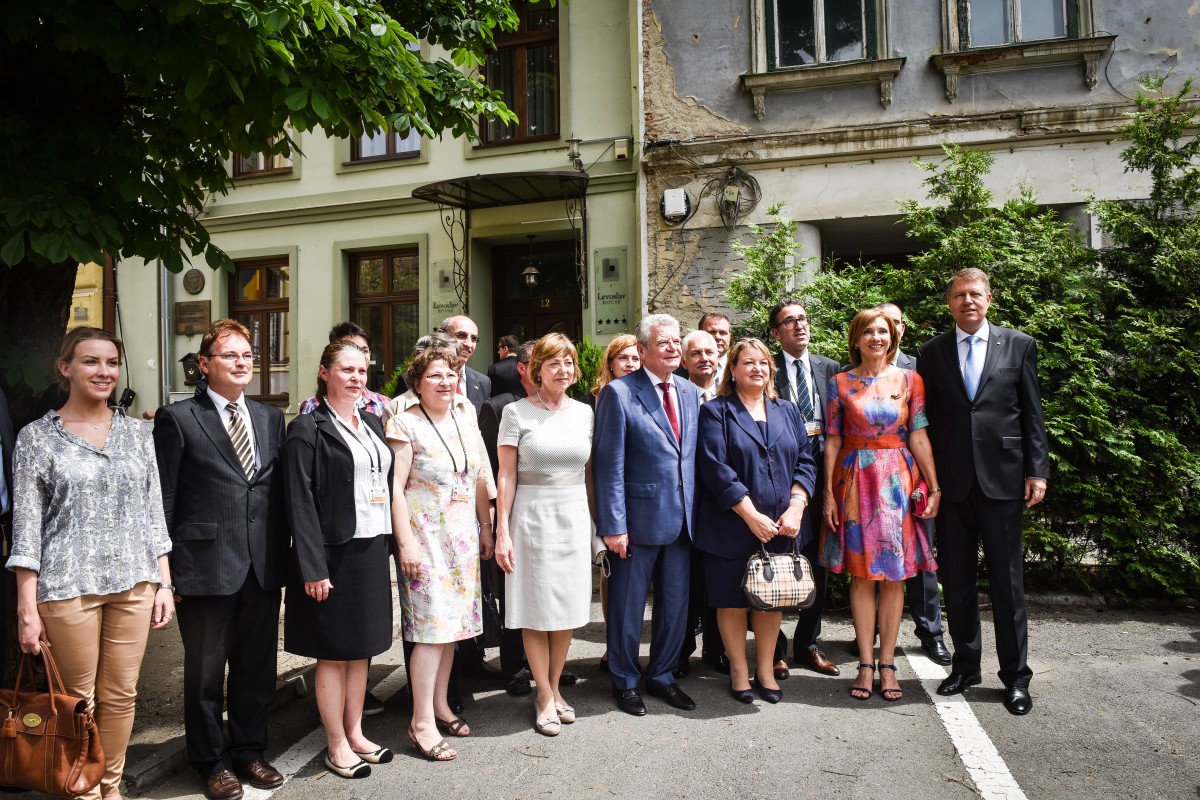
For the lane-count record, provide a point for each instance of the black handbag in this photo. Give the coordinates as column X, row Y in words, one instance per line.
column 779, row 581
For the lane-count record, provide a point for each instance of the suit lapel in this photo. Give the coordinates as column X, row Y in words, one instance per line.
column 997, row 342
column 950, row 354
column 746, row 422
column 649, row 397
column 774, row 422
column 209, row 418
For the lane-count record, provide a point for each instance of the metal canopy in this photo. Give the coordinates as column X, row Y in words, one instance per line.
column 504, row 189
column 457, row 198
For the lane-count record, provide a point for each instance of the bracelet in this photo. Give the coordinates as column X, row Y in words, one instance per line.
column 800, row 497
column 485, row 524
column 935, row 491
column 170, row 587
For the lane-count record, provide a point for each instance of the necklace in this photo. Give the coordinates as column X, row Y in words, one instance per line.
column 547, row 407
column 94, row 425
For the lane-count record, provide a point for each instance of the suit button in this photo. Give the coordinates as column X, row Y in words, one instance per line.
column 973, row 409
column 251, row 519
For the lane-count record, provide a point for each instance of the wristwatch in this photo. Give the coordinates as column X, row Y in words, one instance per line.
column 170, row 587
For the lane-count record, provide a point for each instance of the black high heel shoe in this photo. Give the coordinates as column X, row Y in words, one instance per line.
column 770, row 695
column 742, row 695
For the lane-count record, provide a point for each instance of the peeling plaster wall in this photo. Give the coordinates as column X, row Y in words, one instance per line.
column 836, row 154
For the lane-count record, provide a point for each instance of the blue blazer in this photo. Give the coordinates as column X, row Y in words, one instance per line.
column 734, row 460
column 645, row 480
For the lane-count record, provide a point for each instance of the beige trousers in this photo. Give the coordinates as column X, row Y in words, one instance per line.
column 98, row 641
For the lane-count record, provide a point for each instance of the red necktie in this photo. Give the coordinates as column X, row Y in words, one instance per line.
column 669, row 407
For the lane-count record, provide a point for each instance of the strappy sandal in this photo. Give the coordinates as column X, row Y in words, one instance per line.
column 436, row 753
column 858, row 692
column 891, row 695
column 452, row 727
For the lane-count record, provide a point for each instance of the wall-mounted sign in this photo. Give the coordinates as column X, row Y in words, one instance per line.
column 444, row 300
column 612, row 291
column 192, row 317
column 193, row 281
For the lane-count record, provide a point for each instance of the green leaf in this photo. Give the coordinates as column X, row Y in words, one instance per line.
column 14, row 249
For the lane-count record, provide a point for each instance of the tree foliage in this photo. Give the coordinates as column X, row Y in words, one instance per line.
column 770, row 268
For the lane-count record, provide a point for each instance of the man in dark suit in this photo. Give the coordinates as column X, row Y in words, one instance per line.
column 802, row 377
column 475, row 385
column 924, row 604
column 8, row 441
column 219, row 463
column 644, row 471
column 503, row 374
column 989, row 443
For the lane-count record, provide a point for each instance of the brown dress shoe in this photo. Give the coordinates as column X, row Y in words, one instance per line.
column 223, row 785
column 781, row 670
column 817, row 662
column 261, row 775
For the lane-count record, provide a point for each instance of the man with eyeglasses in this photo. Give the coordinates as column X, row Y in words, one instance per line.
column 475, row 385
column 802, row 377
column 222, row 488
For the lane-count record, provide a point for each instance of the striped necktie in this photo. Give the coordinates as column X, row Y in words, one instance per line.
column 241, row 440
column 803, row 392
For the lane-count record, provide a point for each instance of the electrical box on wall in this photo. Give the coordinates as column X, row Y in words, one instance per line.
column 621, row 149
column 675, row 204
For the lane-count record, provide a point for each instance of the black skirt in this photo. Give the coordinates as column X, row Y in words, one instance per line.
column 355, row 621
column 723, row 576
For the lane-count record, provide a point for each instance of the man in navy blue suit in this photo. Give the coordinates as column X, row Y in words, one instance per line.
column 644, row 471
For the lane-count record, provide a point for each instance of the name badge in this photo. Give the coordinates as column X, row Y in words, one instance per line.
column 378, row 490
column 813, row 428
column 460, row 492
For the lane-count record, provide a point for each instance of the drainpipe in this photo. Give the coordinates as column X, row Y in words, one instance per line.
column 166, row 363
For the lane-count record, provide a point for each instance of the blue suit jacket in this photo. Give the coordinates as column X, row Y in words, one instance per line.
column 645, row 479
column 734, row 460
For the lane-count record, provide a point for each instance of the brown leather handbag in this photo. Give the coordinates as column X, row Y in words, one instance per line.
column 48, row 740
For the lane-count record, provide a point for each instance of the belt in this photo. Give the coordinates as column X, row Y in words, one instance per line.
column 550, row 478
column 891, row 442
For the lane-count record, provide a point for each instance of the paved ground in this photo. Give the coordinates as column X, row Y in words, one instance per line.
column 1115, row 716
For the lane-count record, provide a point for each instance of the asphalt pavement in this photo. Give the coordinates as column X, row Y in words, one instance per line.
column 1116, row 696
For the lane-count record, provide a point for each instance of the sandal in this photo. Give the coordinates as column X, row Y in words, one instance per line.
column 858, row 692
column 436, row 753
column 891, row 695
column 452, row 727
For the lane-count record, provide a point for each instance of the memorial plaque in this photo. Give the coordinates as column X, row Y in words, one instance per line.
column 192, row 317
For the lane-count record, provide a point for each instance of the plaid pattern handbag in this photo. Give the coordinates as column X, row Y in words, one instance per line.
column 779, row 581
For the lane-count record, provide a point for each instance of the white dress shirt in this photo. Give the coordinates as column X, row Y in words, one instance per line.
column 960, row 336
column 674, row 393
column 244, row 410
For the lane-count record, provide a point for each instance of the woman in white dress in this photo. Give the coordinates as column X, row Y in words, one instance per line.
column 543, row 521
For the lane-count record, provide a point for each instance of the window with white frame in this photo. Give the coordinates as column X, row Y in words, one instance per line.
column 806, row 32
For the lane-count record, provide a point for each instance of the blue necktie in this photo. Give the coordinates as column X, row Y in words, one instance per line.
column 973, row 367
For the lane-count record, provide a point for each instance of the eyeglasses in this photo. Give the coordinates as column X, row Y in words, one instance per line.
column 466, row 337
column 442, row 377
column 233, row 358
column 792, row 322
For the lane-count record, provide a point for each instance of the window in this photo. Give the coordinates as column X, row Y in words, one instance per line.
column 384, row 301
column 992, row 22
column 262, row 164
column 259, row 300
column 524, row 69
column 386, row 145
column 819, row 31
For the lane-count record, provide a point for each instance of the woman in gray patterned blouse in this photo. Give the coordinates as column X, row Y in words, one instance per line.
column 90, row 542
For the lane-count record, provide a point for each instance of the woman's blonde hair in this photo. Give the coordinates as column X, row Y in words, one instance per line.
column 726, row 386
column 550, row 346
column 604, row 375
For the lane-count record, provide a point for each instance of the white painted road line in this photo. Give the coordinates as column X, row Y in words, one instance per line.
column 983, row 762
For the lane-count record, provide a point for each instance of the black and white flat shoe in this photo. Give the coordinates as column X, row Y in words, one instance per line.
column 360, row 770
column 380, row 756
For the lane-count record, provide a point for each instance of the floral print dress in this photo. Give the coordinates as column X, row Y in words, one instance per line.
column 443, row 604
column 877, row 536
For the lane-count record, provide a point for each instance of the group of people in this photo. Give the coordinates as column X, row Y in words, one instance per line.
column 691, row 454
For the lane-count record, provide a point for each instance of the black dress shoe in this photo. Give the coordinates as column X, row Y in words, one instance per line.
column 1017, row 700
column 742, row 695
column 718, row 661
column 629, row 701
column 958, row 682
column 566, row 678
column 519, row 685
column 478, row 668
column 673, row 695
column 770, row 695
column 937, row 652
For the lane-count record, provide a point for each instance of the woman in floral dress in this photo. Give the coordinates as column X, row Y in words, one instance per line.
column 441, row 520
column 875, row 444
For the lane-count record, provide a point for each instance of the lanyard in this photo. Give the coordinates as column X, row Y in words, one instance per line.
column 453, row 463
column 375, row 459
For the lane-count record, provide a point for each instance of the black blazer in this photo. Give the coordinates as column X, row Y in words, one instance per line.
column 733, row 460
column 823, row 369
column 489, row 423
column 319, row 467
column 221, row 524
column 1000, row 437
column 8, row 441
column 504, row 377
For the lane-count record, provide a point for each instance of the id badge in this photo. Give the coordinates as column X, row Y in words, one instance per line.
column 378, row 490
column 460, row 493
column 813, row 428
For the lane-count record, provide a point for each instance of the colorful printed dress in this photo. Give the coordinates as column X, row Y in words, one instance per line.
column 443, row 604
column 878, row 537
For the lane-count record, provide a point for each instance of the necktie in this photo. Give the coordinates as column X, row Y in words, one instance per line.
column 972, row 368
column 803, row 392
column 669, row 407
column 241, row 440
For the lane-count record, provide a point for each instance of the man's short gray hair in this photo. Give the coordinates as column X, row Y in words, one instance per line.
column 694, row 335
column 647, row 324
